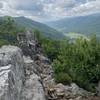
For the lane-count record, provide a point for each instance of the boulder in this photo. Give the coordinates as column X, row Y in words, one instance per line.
column 76, row 90
column 11, row 73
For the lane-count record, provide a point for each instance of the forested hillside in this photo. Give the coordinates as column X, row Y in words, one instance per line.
column 44, row 29
column 89, row 24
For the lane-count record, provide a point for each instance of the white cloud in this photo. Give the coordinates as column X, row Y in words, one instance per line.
column 89, row 7
column 48, row 9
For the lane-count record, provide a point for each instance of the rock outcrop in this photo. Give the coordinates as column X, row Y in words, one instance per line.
column 11, row 73
column 18, row 77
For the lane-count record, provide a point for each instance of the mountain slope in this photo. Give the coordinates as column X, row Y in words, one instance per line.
column 83, row 24
column 46, row 30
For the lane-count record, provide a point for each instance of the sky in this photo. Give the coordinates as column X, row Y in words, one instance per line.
column 47, row 10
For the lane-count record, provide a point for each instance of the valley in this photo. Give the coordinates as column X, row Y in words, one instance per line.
column 86, row 25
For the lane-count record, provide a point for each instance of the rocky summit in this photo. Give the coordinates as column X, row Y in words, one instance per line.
column 27, row 75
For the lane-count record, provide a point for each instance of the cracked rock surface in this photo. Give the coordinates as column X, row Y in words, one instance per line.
column 18, row 80
column 11, row 73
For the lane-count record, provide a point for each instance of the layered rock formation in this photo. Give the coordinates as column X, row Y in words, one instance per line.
column 18, row 80
column 11, row 73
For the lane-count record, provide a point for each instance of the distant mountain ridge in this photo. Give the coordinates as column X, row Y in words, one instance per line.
column 44, row 29
column 89, row 24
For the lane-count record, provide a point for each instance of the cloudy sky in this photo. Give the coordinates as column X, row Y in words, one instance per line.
column 46, row 10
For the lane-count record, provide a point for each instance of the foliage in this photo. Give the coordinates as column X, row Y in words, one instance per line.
column 38, row 35
column 50, row 47
column 83, row 24
column 79, row 59
column 3, row 42
column 63, row 78
column 45, row 30
column 8, row 31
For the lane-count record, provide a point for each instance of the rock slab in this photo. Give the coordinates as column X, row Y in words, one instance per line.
column 11, row 73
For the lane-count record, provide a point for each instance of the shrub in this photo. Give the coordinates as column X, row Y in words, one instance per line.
column 63, row 78
column 8, row 31
column 79, row 58
column 3, row 42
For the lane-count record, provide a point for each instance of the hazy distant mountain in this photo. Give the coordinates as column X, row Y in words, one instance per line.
column 46, row 30
column 83, row 24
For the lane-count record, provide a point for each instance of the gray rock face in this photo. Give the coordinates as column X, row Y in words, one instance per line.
column 18, row 77
column 11, row 73
column 33, row 88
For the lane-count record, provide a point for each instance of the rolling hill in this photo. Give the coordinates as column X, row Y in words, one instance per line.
column 83, row 24
column 44, row 29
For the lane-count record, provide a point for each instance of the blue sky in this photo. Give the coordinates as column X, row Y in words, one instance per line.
column 46, row 10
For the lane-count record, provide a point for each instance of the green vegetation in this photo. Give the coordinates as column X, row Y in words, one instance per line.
column 77, row 61
column 45, row 30
column 8, row 31
column 83, row 24
column 63, row 78
column 3, row 42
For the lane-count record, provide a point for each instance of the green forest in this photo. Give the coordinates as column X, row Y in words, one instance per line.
column 73, row 61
